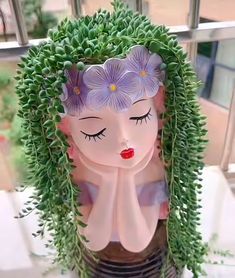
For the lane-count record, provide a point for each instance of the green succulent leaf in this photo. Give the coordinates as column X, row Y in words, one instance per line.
column 68, row 65
column 80, row 66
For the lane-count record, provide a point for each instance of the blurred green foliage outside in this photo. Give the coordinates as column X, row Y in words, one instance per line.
column 10, row 124
column 37, row 20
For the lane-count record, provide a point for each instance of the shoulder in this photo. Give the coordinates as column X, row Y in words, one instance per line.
column 152, row 193
column 88, row 192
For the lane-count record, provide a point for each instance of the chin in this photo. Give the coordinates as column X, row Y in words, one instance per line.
column 121, row 163
column 128, row 163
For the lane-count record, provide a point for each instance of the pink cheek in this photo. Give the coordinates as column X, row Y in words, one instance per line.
column 71, row 152
column 164, row 210
column 158, row 146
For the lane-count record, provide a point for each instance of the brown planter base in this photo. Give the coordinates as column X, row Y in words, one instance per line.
column 115, row 261
column 149, row 268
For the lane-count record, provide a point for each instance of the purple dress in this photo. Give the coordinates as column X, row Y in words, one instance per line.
column 149, row 194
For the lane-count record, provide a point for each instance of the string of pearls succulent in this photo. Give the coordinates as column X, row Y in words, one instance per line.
column 93, row 40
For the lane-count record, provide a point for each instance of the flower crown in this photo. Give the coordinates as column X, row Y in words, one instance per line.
column 118, row 83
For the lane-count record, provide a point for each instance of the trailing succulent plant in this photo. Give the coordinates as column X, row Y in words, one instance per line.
column 92, row 40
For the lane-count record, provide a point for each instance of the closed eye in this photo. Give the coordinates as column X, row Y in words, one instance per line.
column 140, row 119
column 94, row 136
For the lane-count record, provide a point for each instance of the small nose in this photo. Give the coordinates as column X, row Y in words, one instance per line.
column 124, row 143
column 122, row 134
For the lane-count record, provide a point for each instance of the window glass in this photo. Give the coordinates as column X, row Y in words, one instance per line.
column 168, row 12
column 217, row 10
column 90, row 7
column 216, row 68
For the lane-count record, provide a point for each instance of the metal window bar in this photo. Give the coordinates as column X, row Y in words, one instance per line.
column 229, row 136
column 76, row 8
column 139, row 6
column 192, row 34
column 193, row 22
column 21, row 31
column 205, row 32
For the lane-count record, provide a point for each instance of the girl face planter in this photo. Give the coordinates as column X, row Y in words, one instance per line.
column 112, row 123
column 109, row 106
column 112, row 118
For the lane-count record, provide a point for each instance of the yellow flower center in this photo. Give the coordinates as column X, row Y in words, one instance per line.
column 143, row 73
column 113, row 87
column 76, row 90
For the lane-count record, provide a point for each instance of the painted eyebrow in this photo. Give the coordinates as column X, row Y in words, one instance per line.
column 92, row 117
column 139, row 100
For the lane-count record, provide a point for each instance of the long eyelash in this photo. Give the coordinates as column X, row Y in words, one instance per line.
column 141, row 118
column 94, row 136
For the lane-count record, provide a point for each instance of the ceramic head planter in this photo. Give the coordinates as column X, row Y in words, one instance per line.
column 112, row 125
column 114, row 140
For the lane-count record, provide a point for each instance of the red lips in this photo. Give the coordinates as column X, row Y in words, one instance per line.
column 128, row 153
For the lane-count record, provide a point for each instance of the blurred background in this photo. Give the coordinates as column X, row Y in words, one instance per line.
column 206, row 30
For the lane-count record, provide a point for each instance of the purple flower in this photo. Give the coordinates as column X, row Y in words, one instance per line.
column 147, row 67
column 110, row 85
column 74, row 92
